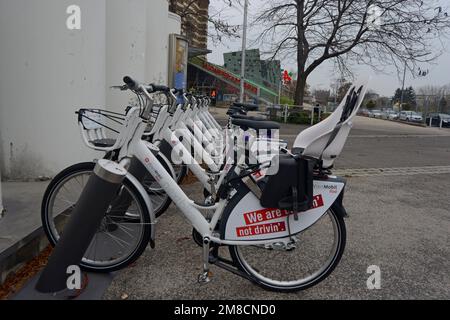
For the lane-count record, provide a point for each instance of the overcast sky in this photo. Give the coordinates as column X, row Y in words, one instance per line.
column 383, row 84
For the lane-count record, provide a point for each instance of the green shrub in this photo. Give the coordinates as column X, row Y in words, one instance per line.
column 286, row 100
column 300, row 118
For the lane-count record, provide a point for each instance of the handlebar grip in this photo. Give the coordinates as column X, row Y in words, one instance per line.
column 132, row 84
column 158, row 88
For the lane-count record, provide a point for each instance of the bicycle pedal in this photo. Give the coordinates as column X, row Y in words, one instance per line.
column 205, row 277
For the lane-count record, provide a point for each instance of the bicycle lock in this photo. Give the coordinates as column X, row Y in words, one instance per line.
column 87, row 216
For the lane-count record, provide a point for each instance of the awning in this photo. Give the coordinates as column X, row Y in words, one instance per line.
column 252, row 89
column 195, row 52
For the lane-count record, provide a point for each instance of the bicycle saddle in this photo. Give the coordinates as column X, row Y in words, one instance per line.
column 236, row 110
column 103, row 143
column 246, row 106
column 256, row 125
column 244, row 117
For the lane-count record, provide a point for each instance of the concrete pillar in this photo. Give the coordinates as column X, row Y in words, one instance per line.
column 126, row 43
column 157, row 45
column 47, row 73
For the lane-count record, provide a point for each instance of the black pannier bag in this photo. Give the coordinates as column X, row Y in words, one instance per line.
column 292, row 187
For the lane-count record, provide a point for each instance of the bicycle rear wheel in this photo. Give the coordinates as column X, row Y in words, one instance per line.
column 313, row 257
column 124, row 232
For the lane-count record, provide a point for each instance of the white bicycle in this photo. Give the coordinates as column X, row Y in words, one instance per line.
column 284, row 231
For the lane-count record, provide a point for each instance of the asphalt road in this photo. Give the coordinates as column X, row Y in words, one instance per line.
column 375, row 143
column 399, row 223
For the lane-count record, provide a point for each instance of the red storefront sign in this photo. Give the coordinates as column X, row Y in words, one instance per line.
column 222, row 73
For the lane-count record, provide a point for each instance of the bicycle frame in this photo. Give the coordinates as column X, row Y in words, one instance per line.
column 142, row 150
column 192, row 211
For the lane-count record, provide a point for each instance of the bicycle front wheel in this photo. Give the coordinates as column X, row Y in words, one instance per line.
column 124, row 232
column 306, row 262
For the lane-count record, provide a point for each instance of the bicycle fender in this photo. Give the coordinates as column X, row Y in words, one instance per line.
column 244, row 219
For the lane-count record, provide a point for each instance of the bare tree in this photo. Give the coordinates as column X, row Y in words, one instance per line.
column 434, row 97
column 373, row 32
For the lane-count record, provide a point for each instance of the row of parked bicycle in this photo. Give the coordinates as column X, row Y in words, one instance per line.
column 278, row 211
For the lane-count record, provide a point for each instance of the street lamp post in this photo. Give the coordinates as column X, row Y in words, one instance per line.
column 243, row 55
column 403, row 89
column 279, row 92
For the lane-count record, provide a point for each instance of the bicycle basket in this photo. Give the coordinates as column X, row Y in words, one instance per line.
column 100, row 128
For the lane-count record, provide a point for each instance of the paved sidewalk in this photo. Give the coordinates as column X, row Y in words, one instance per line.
column 21, row 234
column 397, row 223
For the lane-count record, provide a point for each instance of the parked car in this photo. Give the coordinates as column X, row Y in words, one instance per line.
column 364, row 112
column 390, row 115
column 376, row 114
column 436, row 119
column 410, row 116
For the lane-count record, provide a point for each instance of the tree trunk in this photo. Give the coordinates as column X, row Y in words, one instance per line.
column 300, row 91
column 302, row 53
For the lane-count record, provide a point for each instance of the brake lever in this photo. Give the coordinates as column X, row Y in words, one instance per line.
column 122, row 88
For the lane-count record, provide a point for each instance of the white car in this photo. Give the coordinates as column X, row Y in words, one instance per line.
column 376, row 114
column 390, row 115
column 411, row 116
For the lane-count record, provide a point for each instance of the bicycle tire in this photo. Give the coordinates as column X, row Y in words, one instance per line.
column 241, row 265
column 53, row 239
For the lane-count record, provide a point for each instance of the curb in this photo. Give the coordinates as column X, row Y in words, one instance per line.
column 415, row 124
column 19, row 253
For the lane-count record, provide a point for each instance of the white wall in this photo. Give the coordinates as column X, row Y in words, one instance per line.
column 47, row 72
column 126, row 40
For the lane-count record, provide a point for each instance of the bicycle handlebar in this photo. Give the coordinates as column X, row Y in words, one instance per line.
column 132, row 84
column 158, row 88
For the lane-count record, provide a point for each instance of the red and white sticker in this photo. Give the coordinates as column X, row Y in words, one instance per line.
column 261, row 229
column 258, row 175
column 318, row 202
column 265, row 214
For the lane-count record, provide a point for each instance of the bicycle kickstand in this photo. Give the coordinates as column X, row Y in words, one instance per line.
column 205, row 277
